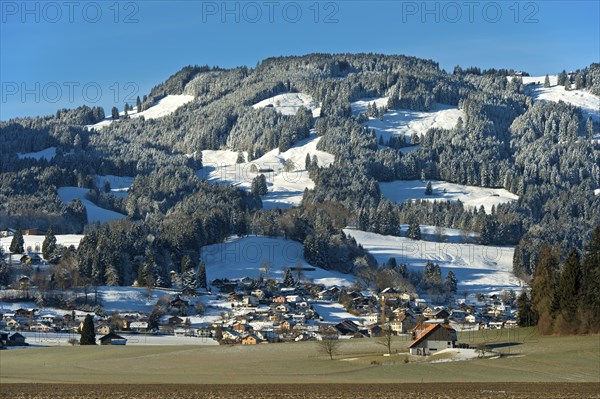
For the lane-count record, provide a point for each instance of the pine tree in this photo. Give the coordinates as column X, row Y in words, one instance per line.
column 569, row 286
column 259, row 185
column 451, row 284
column 429, row 189
column 114, row 113
column 189, row 281
column 240, row 157
column 202, row 282
column 288, row 280
column 590, row 302
column 4, row 273
column 543, row 289
column 307, row 163
column 186, row 264
column 414, row 231
column 88, row 333
column 138, row 104
column 17, row 244
column 526, row 316
column 547, row 81
column 49, row 245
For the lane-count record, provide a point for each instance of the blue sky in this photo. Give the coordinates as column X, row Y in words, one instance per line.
column 61, row 55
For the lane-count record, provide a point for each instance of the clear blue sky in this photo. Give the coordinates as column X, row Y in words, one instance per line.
column 55, row 55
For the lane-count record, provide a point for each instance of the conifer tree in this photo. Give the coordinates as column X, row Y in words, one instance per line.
column 451, row 283
column 202, row 282
column 429, row 189
column 138, row 104
column 240, row 157
column 547, row 81
column 49, row 244
column 414, row 231
column 526, row 316
column 114, row 113
column 543, row 289
column 88, row 333
column 569, row 286
column 17, row 244
column 288, row 280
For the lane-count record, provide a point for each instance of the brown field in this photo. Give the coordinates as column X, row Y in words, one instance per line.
column 293, row 391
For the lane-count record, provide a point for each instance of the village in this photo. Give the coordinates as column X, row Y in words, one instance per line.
column 251, row 311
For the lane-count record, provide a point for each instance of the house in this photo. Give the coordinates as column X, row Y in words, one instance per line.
column 372, row 317
column 39, row 327
column 287, row 325
column 175, row 320
column 179, row 303
column 103, row 330
column 112, row 339
column 346, row 327
column 279, row 299
column 8, row 232
column 252, row 340
column 373, row 330
column 433, row 338
column 402, row 324
column 16, row 340
column 436, row 314
column 24, row 282
column 250, row 300
column 138, row 326
column 240, row 327
column 231, row 335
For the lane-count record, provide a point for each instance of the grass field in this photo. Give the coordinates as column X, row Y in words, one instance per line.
column 525, row 357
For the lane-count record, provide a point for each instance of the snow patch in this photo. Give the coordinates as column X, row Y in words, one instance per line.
column 289, row 103
column 119, row 186
column 286, row 188
column 48, row 154
column 36, row 241
column 164, row 107
column 95, row 214
column 404, row 122
column 407, row 190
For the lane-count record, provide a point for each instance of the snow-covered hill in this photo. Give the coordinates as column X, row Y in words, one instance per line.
column 285, row 188
column 405, row 122
column 242, row 257
column 404, row 190
column 165, row 106
column 478, row 268
column 94, row 212
column 589, row 103
column 289, row 103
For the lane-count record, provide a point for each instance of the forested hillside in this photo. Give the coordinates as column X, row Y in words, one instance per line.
column 544, row 152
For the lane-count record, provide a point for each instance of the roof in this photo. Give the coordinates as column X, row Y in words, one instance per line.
column 111, row 336
column 427, row 332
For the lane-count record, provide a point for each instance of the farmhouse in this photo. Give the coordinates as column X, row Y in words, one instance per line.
column 433, row 338
column 112, row 339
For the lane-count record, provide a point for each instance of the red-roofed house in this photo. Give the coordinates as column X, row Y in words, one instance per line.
column 433, row 338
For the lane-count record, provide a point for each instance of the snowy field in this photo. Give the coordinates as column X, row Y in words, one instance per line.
column 48, row 154
column 478, row 268
column 242, row 257
column 119, row 186
column 289, row 103
column 405, row 122
column 94, row 212
column 334, row 312
column 37, row 241
column 404, row 190
column 164, row 107
column 285, row 188
column 589, row 103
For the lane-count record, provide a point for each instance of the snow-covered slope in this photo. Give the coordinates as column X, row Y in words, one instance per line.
column 242, row 257
column 37, row 241
column 285, row 188
column 478, row 268
column 94, row 212
column 289, row 103
column 404, row 122
column 165, row 106
column 589, row 103
column 48, row 154
column 403, row 190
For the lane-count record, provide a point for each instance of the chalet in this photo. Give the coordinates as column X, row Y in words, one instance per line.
column 175, row 320
column 433, row 338
column 231, row 335
column 179, row 303
column 252, row 340
column 470, row 318
column 239, row 327
column 279, row 299
column 24, row 282
column 373, row 330
column 30, row 232
column 436, row 314
column 260, row 294
column 39, row 327
column 372, row 317
column 16, row 340
column 112, row 339
column 284, row 307
column 287, row 325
